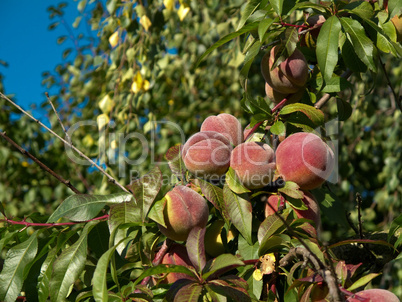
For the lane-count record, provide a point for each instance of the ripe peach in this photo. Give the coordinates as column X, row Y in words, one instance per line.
column 184, row 210
column 207, row 154
column 313, row 21
column 289, row 76
column 226, row 124
column 254, row 164
column 313, row 211
column 213, row 238
column 177, row 255
column 276, row 97
column 373, row 295
column 305, row 159
column 275, row 201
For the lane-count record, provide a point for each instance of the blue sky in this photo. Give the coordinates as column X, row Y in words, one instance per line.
column 30, row 48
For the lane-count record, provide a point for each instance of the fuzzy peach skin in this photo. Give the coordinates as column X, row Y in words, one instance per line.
column 313, row 211
column 305, row 159
column 373, row 295
column 177, row 255
column 254, row 164
column 207, row 154
column 226, row 124
column 289, row 76
column 276, row 97
column 274, row 201
column 184, row 210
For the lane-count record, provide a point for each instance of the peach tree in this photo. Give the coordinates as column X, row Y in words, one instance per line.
column 243, row 215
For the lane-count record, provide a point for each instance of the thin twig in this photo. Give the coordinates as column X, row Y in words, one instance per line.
column 58, row 117
column 41, row 165
column 111, row 179
column 279, row 105
column 50, row 224
column 397, row 99
column 351, row 223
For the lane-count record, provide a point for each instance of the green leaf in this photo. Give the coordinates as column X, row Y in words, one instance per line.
column 314, row 114
column 252, row 52
column 221, row 263
column 277, row 5
column 362, row 45
column 124, row 213
column 278, row 128
column 226, row 39
column 239, row 211
column 395, row 225
column 84, row 207
column 327, row 46
column 175, row 161
column 189, row 293
column 196, row 248
column 99, row 279
column 156, row 212
column 234, row 183
column 291, row 189
column 248, row 10
column 234, row 293
column 12, row 275
column 350, row 57
column 362, row 9
column 362, row 281
column 247, row 251
column 344, row 109
column 336, row 84
column 289, row 39
column 307, row 4
column 273, row 243
column 146, row 189
column 263, row 27
column 351, row 241
column 164, row 269
column 69, row 266
column 270, row 226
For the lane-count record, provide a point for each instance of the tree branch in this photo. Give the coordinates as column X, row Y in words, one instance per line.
column 111, row 179
column 41, row 165
column 58, row 117
column 325, row 98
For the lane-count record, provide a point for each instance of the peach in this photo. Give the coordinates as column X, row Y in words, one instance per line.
column 289, row 76
column 275, row 201
column 177, row 255
column 226, row 124
column 254, row 164
column 184, row 210
column 313, row 211
column 313, row 21
column 305, row 159
column 276, row 97
column 213, row 238
column 207, row 154
column 373, row 295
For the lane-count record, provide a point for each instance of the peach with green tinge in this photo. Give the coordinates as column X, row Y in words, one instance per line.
column 305, row 159
column 213, row 238
column 226, row 124
column 207, row 154
column 276, row 97
column 184, row 210
column 254, row 164
column 289, row 76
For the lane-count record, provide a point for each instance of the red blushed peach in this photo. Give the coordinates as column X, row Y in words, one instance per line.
column 275, row 201
column 226, row 124
column 207, row 154
column 374, row 295
column 305, row 159
column 313, row 211
column 177, row 255
column 254, row 164
column 184, row 210
column 276, row 97
column 289, row 76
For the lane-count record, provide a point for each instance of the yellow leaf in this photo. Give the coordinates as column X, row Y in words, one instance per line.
column 25, row 164
column 114, row 39
column 145, row 85
column 102, row 120
column 144, row 21
column 113, row 144
column 169, row 4
column 183, row 11
column 106, row 104
column 257, row 275
column 171, row 102
column 88, row 140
